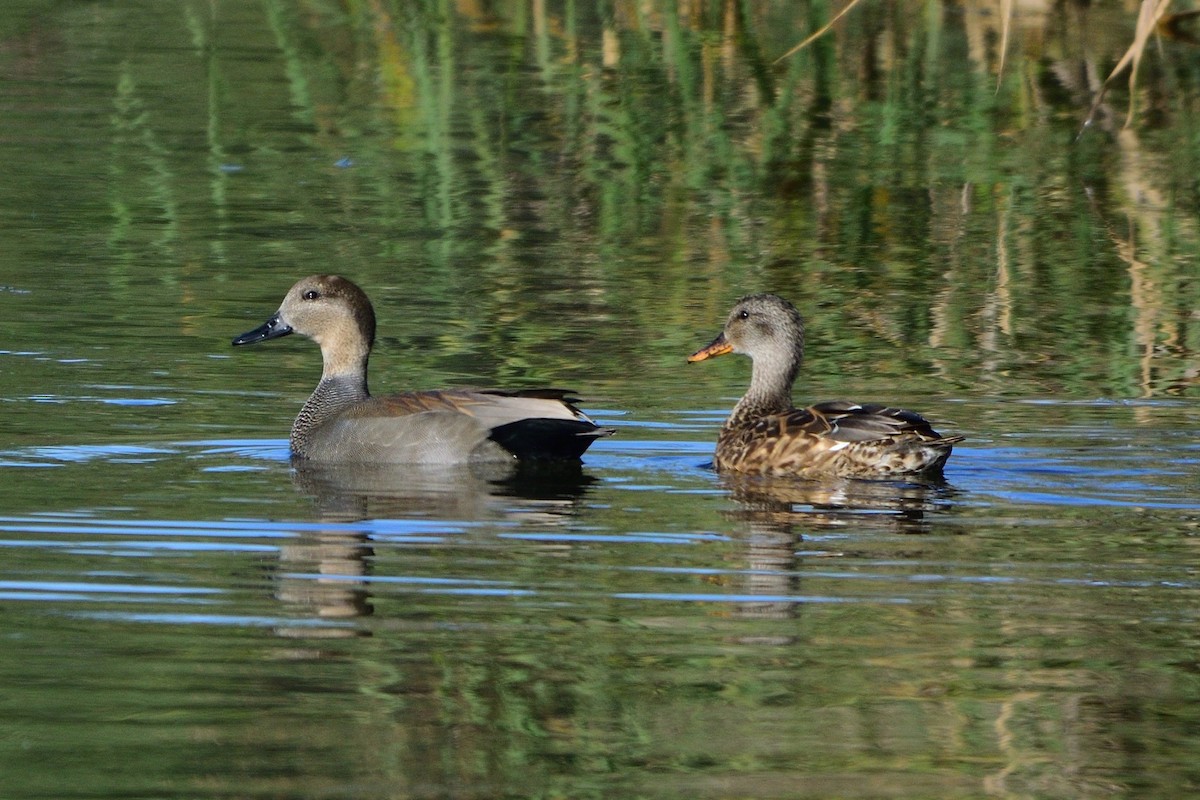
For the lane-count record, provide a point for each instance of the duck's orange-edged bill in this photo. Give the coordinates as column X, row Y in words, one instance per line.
column 718, row 347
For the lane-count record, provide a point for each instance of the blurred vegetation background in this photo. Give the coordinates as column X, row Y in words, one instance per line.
column 573, row 191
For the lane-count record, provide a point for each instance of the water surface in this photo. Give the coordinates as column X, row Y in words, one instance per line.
column 553, row 195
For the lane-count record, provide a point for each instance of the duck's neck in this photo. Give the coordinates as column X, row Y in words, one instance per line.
column 770, row 392
column 336, row 392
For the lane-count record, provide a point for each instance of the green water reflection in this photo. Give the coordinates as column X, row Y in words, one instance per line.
column 572, row 194
column 505, row 667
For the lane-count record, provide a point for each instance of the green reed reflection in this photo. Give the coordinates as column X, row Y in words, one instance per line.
column 574, row 192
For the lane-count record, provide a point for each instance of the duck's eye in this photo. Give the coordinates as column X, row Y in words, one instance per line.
column 311, row 294
column 743, row 314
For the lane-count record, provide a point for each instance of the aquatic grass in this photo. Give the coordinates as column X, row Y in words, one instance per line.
column 139, row 158
column 1152, row 17
column 658, row 164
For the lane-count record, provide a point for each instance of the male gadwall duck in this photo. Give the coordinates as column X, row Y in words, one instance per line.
column 765, row 433
column 343, row 423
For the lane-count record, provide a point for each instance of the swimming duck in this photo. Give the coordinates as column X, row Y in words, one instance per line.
column 765, row 433
column 343, row 422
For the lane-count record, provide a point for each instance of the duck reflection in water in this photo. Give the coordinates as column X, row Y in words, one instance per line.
column 532, row 492
column 894, row 506
column 773, row 513
column 323, row 580
column 325, row 573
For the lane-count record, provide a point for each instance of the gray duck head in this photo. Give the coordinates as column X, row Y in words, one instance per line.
column 770, row 331
column 333, row 312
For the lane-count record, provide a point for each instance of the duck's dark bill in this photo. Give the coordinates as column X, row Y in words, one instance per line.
column 718, row 347
column 271, row 329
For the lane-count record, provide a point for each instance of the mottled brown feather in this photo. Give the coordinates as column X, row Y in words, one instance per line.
column 765, row 433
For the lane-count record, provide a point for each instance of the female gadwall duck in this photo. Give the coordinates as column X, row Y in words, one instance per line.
column 342, row 422
column 765, row 433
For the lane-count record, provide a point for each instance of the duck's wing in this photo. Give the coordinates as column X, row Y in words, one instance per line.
column 481, row 403
column 458, row 424
column 844, row 421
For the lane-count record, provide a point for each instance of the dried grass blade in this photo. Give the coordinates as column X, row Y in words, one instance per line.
column 1149, row 14
column 1006, row 15
column 819, row 33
